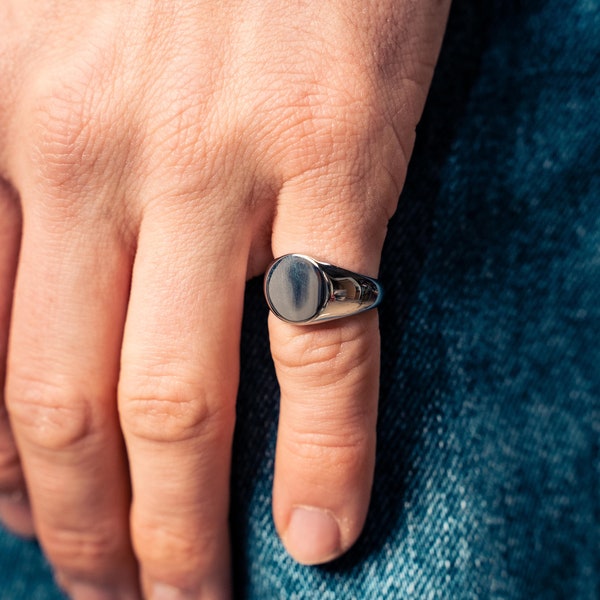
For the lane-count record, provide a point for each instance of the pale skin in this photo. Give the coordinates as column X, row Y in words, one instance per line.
column 153, row 157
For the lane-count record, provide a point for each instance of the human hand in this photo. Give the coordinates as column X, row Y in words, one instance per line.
column 160, row 154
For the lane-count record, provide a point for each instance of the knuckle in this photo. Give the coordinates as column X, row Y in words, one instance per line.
column 310, row 350
column 47, row 416
column 177, row 554
column 332, row 139
column 90, row 554
column 181, row 136
column 323, row 356
column 63, row 125
column 324, row 120
column 343, row 452
column 72, row 131
column 168, row 409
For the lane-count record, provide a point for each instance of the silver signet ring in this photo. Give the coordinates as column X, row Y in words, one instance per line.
column 302, row 290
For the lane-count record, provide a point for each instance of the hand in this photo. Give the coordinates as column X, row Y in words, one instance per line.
column 155, row 156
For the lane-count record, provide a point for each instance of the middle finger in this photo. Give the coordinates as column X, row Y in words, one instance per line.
column 177, row 393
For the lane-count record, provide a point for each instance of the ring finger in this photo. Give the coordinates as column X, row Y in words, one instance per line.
column 66, row 329
column 329, row 376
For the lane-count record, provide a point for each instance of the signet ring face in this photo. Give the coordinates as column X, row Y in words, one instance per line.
column 302, row 290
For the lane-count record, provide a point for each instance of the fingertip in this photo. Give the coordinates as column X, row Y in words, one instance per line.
column 326, row 443
column 313, row 535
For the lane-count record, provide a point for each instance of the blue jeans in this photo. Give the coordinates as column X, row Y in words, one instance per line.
column 488, row 474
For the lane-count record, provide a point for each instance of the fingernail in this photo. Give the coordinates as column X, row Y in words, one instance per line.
column 312, row 536
column 162, row 591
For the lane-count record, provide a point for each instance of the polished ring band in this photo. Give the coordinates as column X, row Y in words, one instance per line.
column 302, row 290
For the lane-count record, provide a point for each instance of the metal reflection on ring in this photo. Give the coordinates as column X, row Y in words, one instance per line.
column 302, row 290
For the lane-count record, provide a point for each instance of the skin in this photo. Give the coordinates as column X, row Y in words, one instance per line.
column 153, row 157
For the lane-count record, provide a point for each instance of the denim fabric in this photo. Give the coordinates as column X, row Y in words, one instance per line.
column 488, row 471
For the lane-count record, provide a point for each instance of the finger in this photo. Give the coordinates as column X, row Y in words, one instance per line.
column 68, row 315
column 328, row 374
column 177, row 392
column 14, row 508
